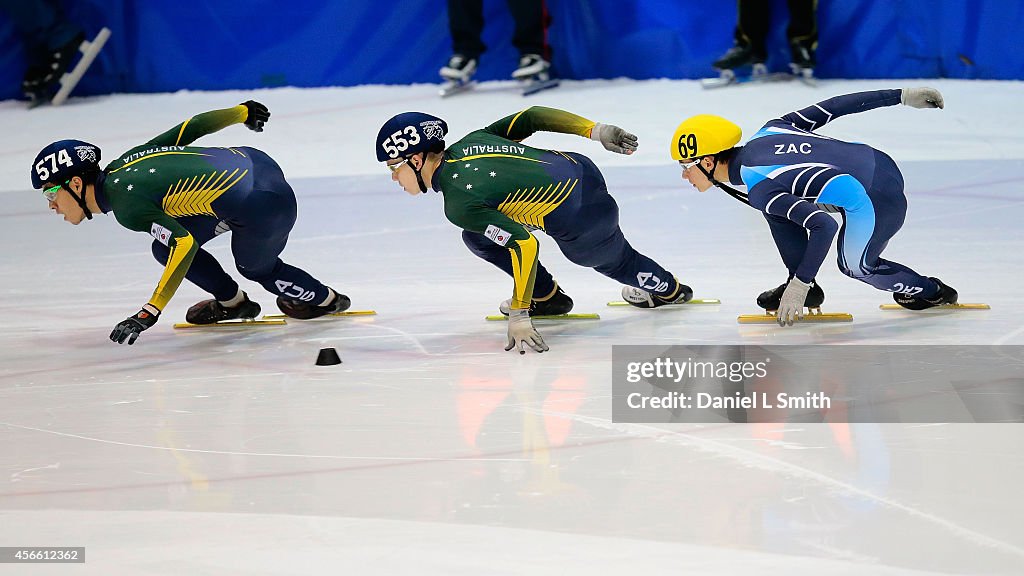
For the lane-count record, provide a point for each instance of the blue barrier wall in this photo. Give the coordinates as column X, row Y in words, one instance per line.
column 213, row 45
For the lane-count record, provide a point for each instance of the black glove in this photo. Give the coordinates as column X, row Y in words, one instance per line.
column 257, row 117
column 131, row 327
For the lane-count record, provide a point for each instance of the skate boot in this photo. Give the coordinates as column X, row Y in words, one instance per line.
column 44, row 74
column 946, row 295
column 770, row 299
column 459, row 69
column 306, row 311
column 555, row 305
column 802, row 52
column 739, row 56
column 532, row 66
column 212, row 311
column 643, row 299
column 802, row 64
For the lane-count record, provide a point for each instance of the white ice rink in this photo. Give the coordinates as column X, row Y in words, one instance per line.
column 430, row 450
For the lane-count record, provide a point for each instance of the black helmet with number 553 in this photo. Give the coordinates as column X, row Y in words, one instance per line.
column 409, row 133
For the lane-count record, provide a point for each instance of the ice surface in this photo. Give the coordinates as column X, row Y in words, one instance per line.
column 431, row 450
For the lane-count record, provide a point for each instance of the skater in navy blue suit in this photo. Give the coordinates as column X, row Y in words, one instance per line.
column 796, row 177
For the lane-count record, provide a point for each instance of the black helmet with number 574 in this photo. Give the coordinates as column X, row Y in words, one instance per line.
column 63, row 160
column 409, row 133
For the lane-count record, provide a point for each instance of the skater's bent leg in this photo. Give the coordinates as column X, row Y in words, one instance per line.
column 862, row 238
column 603, row 247
column 790, row 239
column 483, row 247
column 205, row 272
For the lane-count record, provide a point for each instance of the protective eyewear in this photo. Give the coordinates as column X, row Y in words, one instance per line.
column 687, row 165
column 51, row 193
column 394, row 167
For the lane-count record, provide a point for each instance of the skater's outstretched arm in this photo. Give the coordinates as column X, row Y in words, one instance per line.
column 522, row 125
column 253, row 114
column 817, row 115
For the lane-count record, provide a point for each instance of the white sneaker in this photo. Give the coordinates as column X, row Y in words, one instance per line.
column 530, row 65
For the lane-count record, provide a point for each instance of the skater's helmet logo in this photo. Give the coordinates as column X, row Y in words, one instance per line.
column 433, row 129
column 704, row 135
column 410, row 133
column 86, row 153
column 63, row 160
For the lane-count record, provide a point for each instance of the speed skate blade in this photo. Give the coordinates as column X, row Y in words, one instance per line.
column 534, row 86
column 694, row 301
column 552, row 317
column 963, row 306
column 812, row 315
column 70, row 79
column 233, row 324
column 453, row 87
column 733, row 80
column 335, row 315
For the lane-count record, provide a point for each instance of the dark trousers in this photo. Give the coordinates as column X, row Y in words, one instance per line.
column 754, row 18
column 866, row 231
column 41, row 24
column 466, row 23
column 259, row 233
column 587, row 232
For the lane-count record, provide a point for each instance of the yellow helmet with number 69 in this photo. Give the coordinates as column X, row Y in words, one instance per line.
column 704, row 135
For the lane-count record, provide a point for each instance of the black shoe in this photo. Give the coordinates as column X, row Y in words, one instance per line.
column 946, row 295
column 770, row 299
column 738, row 56
column 306, row 311
column 643, row 299
column 555, row 305
column 45, row 73
column 212, row 311
column 802, row 54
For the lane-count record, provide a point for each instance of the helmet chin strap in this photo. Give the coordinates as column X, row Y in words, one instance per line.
column 742, row 197
column 419, row 173
column 80, row 199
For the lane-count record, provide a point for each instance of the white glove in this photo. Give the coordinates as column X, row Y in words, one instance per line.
column 520, row 329
column 614, row 138
column 791, row 307
column 921, row 98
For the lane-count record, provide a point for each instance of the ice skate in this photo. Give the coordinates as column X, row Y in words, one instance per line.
column 643, row 299
column 802, row 64
column 946, row 297
column 306, row 311
column 212, row 311
column 742, row 64
column 534, row 74
column 458, row 75
column 556, row 306
column 770, row 299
